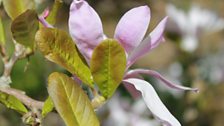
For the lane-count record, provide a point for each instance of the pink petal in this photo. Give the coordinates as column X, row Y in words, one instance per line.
column 153, row 102
column 160, row 77
column 85, row 27
column 46, row 13
column 157, row 34
column 131, row 89
column 152, row 41
column 43, row 21
column 132, row 27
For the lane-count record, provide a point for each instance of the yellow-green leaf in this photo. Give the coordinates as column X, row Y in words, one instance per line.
column 16, row 7
column 12, row 102
column 24, row 28
column 48, row 107
column 108, row 65
column 58, row 47
column 2, row 33
column 70, row 101
column 53, row 14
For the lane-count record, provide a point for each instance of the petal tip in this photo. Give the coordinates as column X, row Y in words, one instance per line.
column 165, row 19
column 76, row 4
column 78, row 1
column 146, row 7
column 196, row 90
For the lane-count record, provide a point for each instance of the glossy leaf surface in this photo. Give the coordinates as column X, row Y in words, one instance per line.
column 58, row 47
column 2, row 33
column 70, row 101
column 108, row 65
column 16, row 7
column 12, row 102
column 24, row 28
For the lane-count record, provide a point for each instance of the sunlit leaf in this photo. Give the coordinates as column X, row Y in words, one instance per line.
column 24, row 28
column 58, row 47
column 108, row 66
column 53, row 14
column 70, row 101
column 2, row 33
column 12, row 102
column 16, row 7
column 48, row 107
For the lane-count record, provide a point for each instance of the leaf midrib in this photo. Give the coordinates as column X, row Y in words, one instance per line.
column 70, row 105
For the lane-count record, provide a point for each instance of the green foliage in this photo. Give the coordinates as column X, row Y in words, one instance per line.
column 108, row 65
column 53, row 14
column 12, row 102
column 16, row 7
column 70, row 101
column 48, row 107
column 24, row 28
column 2, row 33
column 58, row 47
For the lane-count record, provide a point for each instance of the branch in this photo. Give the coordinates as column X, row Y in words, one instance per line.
column 26, row 100
column 3, row 53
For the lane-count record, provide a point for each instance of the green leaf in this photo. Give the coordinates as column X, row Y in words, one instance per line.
column 70, row 101
column 58, row 47
column 2, row 33
column 48, row 107
column 16, row 7
column 12, row 102
column 108, row 65
column 53, row 14
column 24, row 28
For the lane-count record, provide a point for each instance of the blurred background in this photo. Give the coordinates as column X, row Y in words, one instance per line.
column 192, row 55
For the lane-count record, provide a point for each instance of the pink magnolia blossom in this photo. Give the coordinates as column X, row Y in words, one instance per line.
column 86, row 30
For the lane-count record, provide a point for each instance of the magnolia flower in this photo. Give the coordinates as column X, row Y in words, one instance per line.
column 86, row 30
column 194, row 23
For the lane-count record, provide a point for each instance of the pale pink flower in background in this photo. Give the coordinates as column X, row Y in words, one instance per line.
column 124, row 114
column 193, row 24
column 86, row 30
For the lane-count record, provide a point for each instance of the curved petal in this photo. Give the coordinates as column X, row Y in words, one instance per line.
column 152, row 41
column 153, row 102
column 135, row 94
column 44, row 22
column 132, row 27
column 160, row 77
column 85, row 27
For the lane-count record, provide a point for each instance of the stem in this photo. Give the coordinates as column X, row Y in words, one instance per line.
column 26, row 100
column 3, row 53
column 20, row 52
column 97, row 100
column 8, row 65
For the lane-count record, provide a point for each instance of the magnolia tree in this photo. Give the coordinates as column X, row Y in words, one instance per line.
column 97, row 62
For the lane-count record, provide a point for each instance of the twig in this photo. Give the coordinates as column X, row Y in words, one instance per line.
column 20, row 52
column 3, row 54
column 26, row 100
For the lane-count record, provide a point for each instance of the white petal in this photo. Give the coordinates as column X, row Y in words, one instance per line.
column 153, row 102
